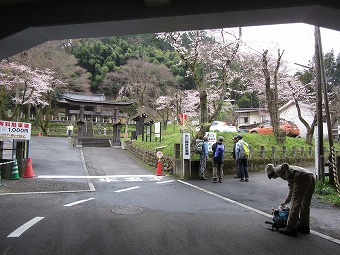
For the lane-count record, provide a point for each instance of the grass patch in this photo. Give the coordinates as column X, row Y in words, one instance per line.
column 327, row 192
column 172, row 135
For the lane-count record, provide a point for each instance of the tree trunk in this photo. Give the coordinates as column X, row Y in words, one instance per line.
column 28, row 117
column 204, row 112
column 272, row 97
column 310, row 128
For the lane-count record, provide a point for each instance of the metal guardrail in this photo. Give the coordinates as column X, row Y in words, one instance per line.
column 8, row 162
column 4, row 163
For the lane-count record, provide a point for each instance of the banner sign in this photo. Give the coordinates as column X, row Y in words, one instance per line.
column 15, row 130
column 157, row 129
column 148, row 130
column 186, row 145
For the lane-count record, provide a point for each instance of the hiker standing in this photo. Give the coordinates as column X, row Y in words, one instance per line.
column 301, row 183
column 217, row 164
column 69, row 130
column 242, row 158
column 203, row 158
column 234, row 156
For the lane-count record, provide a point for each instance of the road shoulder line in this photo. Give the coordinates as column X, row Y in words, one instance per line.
column 329, row 238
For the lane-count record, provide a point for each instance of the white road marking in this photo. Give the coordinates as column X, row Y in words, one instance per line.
column 46, row 192
column 24, row 227
column 97, row 176
column 79, row 202
column 165, row 182
column 228, row 199
column 133, row 179
column 255, row 210
column 86, row 171
column 108, row 180
column 155, row 178
column 121, row 190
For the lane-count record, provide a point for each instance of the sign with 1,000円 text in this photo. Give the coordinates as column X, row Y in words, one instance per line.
column 15, row 130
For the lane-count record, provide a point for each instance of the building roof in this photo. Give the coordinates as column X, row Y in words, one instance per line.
column 78, row 99
column 247, row 110
column 291, row 103
column 80, row 96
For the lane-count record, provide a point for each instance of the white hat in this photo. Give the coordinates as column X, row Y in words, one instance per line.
column 269, row 169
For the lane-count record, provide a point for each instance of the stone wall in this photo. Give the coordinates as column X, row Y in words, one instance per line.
column 150, row 158
column 172, row 166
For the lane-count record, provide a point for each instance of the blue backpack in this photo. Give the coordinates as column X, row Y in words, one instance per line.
column 219, row 153
column 280, row 217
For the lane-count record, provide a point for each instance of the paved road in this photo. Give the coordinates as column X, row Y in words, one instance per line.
column 113, row 205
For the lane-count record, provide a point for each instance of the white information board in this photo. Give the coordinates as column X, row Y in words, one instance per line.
column 157, row 129
column 186, row 145
column 211, row 139
column 15, row 130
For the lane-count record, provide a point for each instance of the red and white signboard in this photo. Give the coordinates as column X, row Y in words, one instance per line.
column 15, row 130
column 159, row 154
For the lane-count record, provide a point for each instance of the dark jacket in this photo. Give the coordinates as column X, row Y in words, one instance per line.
column 234, row 151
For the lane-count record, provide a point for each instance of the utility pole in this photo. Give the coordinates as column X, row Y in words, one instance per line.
column 319, row 144
column 333, row 176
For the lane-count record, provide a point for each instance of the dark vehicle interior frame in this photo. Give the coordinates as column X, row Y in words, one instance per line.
column 28, row 23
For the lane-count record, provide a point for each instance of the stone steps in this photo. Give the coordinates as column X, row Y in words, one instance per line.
column 96, row 142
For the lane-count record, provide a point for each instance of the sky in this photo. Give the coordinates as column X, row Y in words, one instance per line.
column 297, row 40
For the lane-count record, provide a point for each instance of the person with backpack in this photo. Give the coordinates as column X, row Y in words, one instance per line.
column 218, row 156
column 242, row 154
column 203, row 158
column 301, row 184
column 235, row 140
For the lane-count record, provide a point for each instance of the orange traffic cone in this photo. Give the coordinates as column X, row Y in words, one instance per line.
column 29, row 169
column 159, row 168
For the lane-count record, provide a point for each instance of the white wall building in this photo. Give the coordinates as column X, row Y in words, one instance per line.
column 248, row 116
column 289, row 112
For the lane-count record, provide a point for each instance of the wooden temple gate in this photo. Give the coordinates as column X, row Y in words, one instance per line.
column 83, row 107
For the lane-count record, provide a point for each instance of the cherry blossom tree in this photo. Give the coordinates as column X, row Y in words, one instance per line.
column 335, row 103
column 63, row 67
column 144, row 82
column 272, row 93
column 190, row 103
column 267, row 75
column 165, row 106
column 20, row 85
column 56, row 56
column 280, row 87
column 303, row 93
column 209, row 58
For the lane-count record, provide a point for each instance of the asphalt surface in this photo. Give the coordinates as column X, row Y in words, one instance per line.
column 50, row 156
column 59, row 167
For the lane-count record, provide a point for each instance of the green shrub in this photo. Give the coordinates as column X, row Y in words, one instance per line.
column 323, row 188
column 335, row 200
